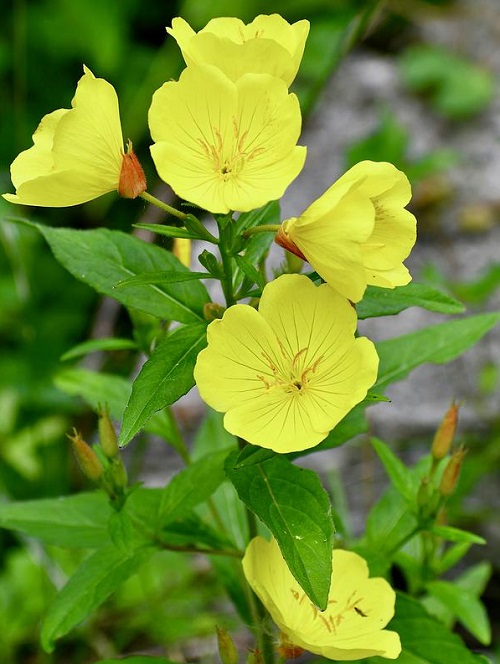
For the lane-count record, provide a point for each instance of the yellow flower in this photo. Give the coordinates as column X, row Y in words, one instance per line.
column 226, row 145
column 77, row 153
column 358, row 232
column 267, row 45
column 358, row 609
column 286, row 374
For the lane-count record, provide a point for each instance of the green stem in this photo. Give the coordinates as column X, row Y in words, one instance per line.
column 265, row 228
column 163, row 206
column 361, row 25
column 225, row 243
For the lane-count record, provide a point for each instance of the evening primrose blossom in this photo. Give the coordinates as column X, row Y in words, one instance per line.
column 350, row 628
column 267, row 45
column 286, row 374
column 78, row 153
column 226, row 145
column 358, row 232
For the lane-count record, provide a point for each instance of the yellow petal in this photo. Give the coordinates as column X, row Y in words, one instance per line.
column 267, row 45
column 286, row 375
column 224, row 145
column 358, row 232
column 77, row 153
column 358, row 607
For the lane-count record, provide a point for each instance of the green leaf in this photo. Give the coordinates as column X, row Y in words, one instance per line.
column 465, row 606
column 293, row 504
column 451, row 534
column 353, row 424
column 389, row 523
column 93, row 582
column 192, row 486
column 101, row 388
column 78, row 521
column 163, row 277
column 168, row 231
column 388, row 302
column 94, row 345
column 101, row 258
column 164, row 378
column 437, row 344
column 246, row 267
column 424, row 639
column 400, row 477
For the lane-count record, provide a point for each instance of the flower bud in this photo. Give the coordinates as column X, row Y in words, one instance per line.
column 284, row 241
column 227, row 650
column 451, row 473
column 211, row 311
column 443, row 439
column 132, row 179
column 107, row 434
column 118, row 474
column 87, row 459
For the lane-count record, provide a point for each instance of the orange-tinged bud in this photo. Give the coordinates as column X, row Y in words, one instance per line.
column 132, row 178
column 107, row 434
column 284, row 241
column 451, row 473
column 288, row 650
column 227, row 650
column 86, row 457
column 443, row 439
column 211, row 311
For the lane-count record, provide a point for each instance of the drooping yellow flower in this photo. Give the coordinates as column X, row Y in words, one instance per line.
column 267, row 45
column 358, row 609
column 77, row 153
column 286, row 374
column 226, row 145
column 358, row 232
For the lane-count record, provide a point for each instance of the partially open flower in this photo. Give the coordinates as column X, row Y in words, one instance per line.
column 358, row 609
column 358, row 232
column 226, row 145
column 267, row 45
column 78, row 153
column 286, row 374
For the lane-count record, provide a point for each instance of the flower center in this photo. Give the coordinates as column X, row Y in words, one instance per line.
column 228, row 157
column 333, row 617
column 291, row 376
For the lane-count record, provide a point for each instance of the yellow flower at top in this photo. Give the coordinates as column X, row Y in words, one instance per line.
column 226, row 145
column 286, row 374
column 358, row 609
column 78, row 153
column 267, row 45
column 358, row 232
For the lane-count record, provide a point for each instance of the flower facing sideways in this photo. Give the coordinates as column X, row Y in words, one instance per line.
column 358, row 232
column 358, row 609
column 78, row 153
column 267, row 45
column 226, row 145
column 286, row 374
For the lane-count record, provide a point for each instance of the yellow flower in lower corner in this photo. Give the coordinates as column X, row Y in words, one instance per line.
column 78, row 153
column 226, row 145
column 351, row 627
column 358, row 232
column 267, row 45
column 286, row 374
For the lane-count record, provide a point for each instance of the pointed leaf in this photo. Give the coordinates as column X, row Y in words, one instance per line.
column 78, row 521
column 101, row 258
column 93, row 582
column 295, row 507
column 436, row 344
column 400, row 477
column 388, row 302
column 464, row 606
column 163, row 277
column 95, row 345
column 164, row 378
